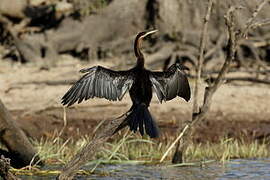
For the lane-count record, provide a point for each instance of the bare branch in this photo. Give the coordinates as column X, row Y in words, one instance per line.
column 265, row 22
column 201, row 56
column 234, row 38
column 90, row 149
column 15, row 139
column 231, row 49
column 251, row 20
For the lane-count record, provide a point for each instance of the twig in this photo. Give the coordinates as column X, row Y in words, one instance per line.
column 201, row 56
column 265, row 22
column 251, row 20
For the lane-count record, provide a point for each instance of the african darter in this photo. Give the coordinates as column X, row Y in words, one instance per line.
column 113, row 85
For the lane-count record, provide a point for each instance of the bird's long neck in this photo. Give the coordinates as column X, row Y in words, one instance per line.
column 138, row 53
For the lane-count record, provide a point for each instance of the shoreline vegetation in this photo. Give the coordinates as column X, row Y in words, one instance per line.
column 133, row 150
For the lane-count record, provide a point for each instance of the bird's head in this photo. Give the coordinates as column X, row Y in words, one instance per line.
column 138, row 41
column 143, row 34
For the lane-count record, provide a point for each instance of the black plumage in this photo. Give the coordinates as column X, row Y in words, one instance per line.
column 105, row 83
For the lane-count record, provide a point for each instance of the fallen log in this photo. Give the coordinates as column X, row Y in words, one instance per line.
column 19, row 147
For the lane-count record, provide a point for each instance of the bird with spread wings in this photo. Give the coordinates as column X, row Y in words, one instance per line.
column 101, row 82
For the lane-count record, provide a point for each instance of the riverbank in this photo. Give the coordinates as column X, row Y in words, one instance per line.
column 239, row 110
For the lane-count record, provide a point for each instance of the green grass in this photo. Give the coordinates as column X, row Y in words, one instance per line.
column 228, row 149
column 134, row 149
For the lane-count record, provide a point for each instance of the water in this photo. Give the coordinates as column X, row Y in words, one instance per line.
column 235, row 169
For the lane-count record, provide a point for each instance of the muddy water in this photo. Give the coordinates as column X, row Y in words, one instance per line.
column 235, row 169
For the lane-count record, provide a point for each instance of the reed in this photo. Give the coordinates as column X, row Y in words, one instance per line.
column 134, row 149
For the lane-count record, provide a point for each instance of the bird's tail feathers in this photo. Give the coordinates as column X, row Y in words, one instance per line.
column 141, row 118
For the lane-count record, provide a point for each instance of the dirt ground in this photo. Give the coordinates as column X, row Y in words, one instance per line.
column 239, row 110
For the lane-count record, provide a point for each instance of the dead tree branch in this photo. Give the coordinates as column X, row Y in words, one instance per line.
column 201, row 56
column 178, row 155
column 15, row 140
column 250, row 22
column 109, row 129
column 209, row 92
column 262, row 23
column 234, row 37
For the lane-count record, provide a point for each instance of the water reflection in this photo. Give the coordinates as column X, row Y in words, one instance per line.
column 235, row 169
column 247, row 169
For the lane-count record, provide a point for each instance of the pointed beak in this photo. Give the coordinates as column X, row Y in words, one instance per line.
column 150, row 32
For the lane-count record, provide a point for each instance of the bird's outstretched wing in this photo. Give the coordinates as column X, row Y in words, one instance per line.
column 99, row 82
column 171, row 83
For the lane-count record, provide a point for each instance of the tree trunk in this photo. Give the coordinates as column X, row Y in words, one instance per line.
column 20, row 149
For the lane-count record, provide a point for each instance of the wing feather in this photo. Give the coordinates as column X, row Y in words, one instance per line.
column 171, row 83
column 99, row 82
